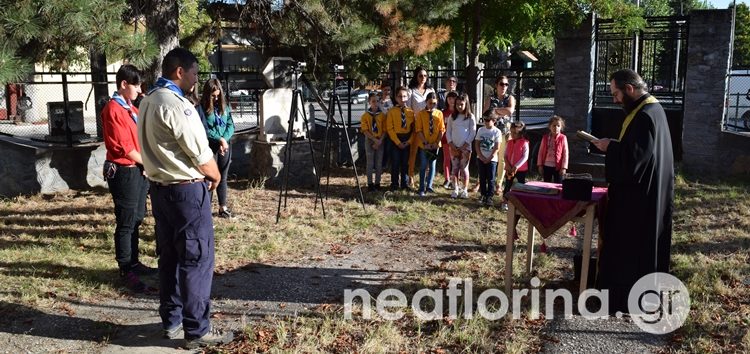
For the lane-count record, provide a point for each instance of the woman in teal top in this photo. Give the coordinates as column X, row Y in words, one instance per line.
column 217, row 119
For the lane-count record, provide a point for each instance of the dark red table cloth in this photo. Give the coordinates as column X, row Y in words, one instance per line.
column 550, row 212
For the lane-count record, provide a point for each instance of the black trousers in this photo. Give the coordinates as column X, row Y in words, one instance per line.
column 128, row 188
column 223, row 163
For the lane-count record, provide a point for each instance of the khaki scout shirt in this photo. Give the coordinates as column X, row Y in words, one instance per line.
column 173, row 140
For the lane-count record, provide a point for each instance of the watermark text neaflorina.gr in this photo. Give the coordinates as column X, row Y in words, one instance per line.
column 658, row 303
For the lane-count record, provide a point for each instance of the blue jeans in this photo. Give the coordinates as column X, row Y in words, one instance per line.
column 185, row 234
column 425, row 177
column 399, row 166
column 487, row 173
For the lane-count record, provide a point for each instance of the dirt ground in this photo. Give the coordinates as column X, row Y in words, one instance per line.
column 254, row 292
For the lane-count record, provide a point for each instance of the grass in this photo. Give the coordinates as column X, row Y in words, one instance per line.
column 57, row 247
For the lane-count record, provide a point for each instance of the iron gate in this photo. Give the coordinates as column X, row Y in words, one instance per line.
column 658, row 53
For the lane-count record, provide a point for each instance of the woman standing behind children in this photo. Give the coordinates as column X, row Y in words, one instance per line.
column 372, row 126
column 552, row 159
column 516, row 158
column 429, row 129
column 450, row 106
column 219, row 130
column 399, row 127
column 487, row 142
column 461, row 130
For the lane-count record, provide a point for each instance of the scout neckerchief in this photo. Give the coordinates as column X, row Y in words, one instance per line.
column 374, row 121
column 121, row 101
column 403, row 117
column 629, row 118
column 219, row 119
column 431, row 125
column 168, row 84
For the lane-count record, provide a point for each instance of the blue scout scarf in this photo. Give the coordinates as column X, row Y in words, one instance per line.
column 219, row 119
column 374, row 122
column 168, row 84
column 121, row 101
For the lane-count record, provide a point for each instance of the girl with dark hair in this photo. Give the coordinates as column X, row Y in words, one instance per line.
column 461, row 130
column 450, row 106
column 516, row 158
column 217, row 119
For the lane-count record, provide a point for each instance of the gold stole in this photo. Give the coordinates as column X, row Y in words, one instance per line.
column 629, row 118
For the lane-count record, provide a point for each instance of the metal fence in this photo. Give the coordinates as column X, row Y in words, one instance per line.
column 737, row 114
column 36, row 108
column 45, row 106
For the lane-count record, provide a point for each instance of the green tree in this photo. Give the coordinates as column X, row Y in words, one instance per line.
column 61, row 33
column 741, row 54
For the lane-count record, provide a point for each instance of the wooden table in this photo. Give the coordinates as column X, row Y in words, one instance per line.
column 546, row 214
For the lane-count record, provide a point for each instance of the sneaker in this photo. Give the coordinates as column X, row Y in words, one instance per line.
column 174, row 333
column 142, row 269
column 448, row 185
column 421, row 194
column 504, row 207
column 482, row 200
column 133, row 282
column 455, row 193
column 464, row 194
column 212, row 337
column 488, row 201
column 430, row 190
column 225, row 213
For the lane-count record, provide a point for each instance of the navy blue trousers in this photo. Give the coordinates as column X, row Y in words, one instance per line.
column 185, row 238
column 399, row 166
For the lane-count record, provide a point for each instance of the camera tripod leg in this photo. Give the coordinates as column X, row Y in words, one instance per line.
column 284, row 188
column 318, row 194
column 327, row 148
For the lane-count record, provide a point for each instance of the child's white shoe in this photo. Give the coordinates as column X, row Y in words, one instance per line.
column 454, row 194
column 464, row 194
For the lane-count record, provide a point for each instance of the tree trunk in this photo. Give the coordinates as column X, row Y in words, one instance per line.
column 99, row 77
column 162, row 20
column 472, row 69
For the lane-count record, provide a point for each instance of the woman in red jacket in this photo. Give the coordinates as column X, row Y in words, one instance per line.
column 552, row 159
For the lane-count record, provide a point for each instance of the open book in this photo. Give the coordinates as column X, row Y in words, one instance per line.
column 586, row 136
column 534, row 189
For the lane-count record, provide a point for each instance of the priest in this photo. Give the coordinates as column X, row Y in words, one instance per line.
column 639, row 168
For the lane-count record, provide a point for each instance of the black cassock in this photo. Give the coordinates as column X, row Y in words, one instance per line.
column 637, row 231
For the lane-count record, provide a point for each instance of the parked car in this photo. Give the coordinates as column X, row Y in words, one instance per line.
column 357, row 96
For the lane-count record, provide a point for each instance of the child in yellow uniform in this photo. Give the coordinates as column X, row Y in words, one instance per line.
column 429, row 130
column 399, row 126
column 373, row 126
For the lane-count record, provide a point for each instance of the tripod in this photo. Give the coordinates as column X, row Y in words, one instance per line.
column 333, row 102
column 297, row 101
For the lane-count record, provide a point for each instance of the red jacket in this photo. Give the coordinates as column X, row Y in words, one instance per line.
column 561, row 151
column 120, row 133
column 517, row 150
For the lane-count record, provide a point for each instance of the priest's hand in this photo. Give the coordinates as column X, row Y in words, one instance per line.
column 601, row 144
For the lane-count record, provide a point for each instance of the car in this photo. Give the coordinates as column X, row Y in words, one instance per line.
column 357, row 96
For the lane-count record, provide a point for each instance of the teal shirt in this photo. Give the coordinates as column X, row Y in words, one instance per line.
column 214, row 131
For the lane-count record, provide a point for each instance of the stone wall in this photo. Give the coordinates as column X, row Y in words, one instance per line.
column 29, row 167
column 706, row 148
column 574, row 85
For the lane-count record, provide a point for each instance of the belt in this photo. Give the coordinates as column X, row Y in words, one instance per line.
column 189, row 181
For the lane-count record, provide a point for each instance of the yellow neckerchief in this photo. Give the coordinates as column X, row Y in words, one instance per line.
column 629, row 118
